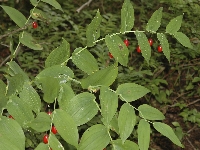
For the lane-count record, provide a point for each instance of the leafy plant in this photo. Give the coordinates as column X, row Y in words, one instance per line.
column 22, row 97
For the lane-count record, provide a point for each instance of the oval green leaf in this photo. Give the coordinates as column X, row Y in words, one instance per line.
column 93, row 30
column 82, row 108
column 27, row 39
column 62, row 73
column 94, row 138
column 130, row 91
column 167, row 131
column 126, row 121
column 42, row 146
column 31, row 96
column 165, row 45
column 38, row 14
column 84, row 60
column 109, row 104
column 17, row 70
column 105, row 77
column 55, row 143
column 15, row 84
column 144, row 45
column 12, row 136
column 66, row 126
column 183, row 39
column 174, row 25
column 128, row 145
column 65, row 95
column 155, row 21
column 117, row 48
column 143, row 134
column 53, row 3
column 20, row 110
column 41, row 123
column 50, row 88
column 150, row 113
column 58, row 55
column 127, row 16
column 15, row 15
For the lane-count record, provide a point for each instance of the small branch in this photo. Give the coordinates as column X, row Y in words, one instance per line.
column 86, row 4
column 13, row 32
column 191, row 144
column 193, row 102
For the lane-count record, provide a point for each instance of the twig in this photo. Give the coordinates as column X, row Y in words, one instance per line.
column 190, row 144
column 193, row 102
column 86, row 4
column 7, row 58
column 13, row 32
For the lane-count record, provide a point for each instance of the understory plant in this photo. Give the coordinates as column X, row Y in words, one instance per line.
column 70, row 123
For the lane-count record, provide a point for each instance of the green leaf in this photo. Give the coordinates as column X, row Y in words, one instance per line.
column 65, row 95
column 117, row 48
column 82, row 108
column 126, row 121
column 58, row 55
column 12, row 136
column 15, row 15
column 128, row 145
column 84, row 60
column 62, row 73
column 3, row 98
column 94, row 138
column 34, row 2
column 109, row 104
column 42, row 146
column 93, row 30
column 167, row 131
column 55, row 143
column 150, row 113
column 165, row 45
column 31, row 96
column 15, row 84
column 41, row 123
column 174, row 25
column 195, row 79
column 155, row 21
column 144, row 45
column 127, row 16
column 105, row 77
column 20, row 110
column 53, row 3
column 131, row 91
column 66, row 126
column 27, row 39
column 38, row 14
column 50, row 88
column 143, row 134
column 17, row 70
column 114, row 124
column 183, row 39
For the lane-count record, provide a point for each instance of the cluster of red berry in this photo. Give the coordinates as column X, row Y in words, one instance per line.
column 126, row 42
column 53, row 130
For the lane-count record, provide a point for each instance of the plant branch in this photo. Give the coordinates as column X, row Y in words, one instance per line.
column 86, row 4
column 14, row 31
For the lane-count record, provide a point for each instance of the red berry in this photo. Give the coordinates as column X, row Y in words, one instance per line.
column 150, row 42
column 49, row 112
column 45, row 138
column 10, row 117
column 159, row 48
column 138, row 49
column 126, row 42
column 54, row 130
column 110, row 55
column 35, row 25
